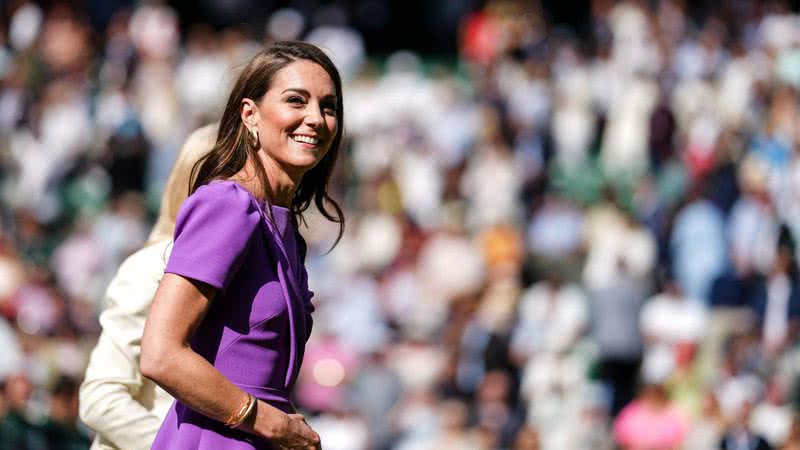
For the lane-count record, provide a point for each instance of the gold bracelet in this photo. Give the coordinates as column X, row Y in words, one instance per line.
column 235, row 414
column 237, row 418
column 250, row 408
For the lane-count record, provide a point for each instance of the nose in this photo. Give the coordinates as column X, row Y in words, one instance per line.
column 314, row 117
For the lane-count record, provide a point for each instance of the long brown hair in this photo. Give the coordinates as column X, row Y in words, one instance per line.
column 231, row 150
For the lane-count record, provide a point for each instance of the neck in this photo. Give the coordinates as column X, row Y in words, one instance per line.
column 282, row 182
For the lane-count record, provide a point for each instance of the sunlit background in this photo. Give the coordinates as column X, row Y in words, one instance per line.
column 570, row 225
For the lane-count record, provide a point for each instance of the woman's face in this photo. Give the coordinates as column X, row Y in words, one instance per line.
column 296, row 119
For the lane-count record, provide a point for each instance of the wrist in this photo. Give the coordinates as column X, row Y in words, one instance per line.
column 268, row 421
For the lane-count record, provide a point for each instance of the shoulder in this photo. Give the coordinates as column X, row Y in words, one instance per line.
column 213, row 232
column 226, row 191
column 220, row 203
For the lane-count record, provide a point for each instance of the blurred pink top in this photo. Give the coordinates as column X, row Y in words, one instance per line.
column 640, row 427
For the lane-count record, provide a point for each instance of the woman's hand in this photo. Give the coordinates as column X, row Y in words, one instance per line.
column 298, row 435
column 284, row 431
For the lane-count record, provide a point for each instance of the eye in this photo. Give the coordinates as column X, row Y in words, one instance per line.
column 296, row 99
column 329, row 108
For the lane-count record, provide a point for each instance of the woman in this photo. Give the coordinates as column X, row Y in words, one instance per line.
column 229, row 322
column 124, row 408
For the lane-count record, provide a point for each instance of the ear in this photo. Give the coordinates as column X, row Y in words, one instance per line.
column 250, row 115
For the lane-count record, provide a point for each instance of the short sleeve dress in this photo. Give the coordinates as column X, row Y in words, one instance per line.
column 257, row 325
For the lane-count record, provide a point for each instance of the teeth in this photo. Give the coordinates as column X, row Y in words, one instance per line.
column 305, row 139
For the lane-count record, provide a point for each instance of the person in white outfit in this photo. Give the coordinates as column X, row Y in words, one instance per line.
column 123, row 407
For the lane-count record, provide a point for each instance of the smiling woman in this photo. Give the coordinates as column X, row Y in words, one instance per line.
column 294, row 123
column 287, row 91
column 228, row 326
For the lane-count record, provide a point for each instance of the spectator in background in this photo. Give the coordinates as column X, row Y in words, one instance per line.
column 740, row 436
column 547, row 342
column 61, row 427
column 554, row 235
column 552, row 316
column 123, row 407
column 375, row 391
column 698, row 245
column 17, row 430
column 753, row 226
column 495, row 411
column 672, row 324
column 615, row 311
column 708, row 427
column 651, row 422
column 772, row 418
column 614, row 239
column 777, row 300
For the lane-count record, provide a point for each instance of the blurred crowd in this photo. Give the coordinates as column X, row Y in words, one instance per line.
column 556, row 240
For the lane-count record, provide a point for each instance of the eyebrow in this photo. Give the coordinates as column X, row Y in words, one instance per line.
column 306, row 93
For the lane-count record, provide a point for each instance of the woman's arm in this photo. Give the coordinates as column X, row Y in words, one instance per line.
column 178, row 308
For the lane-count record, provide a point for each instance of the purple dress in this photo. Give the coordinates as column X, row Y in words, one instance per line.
column 258, row 323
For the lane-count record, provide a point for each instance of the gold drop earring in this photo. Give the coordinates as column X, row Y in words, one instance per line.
column 254, row 137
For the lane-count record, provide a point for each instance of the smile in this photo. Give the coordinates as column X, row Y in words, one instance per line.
column 305, row 139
